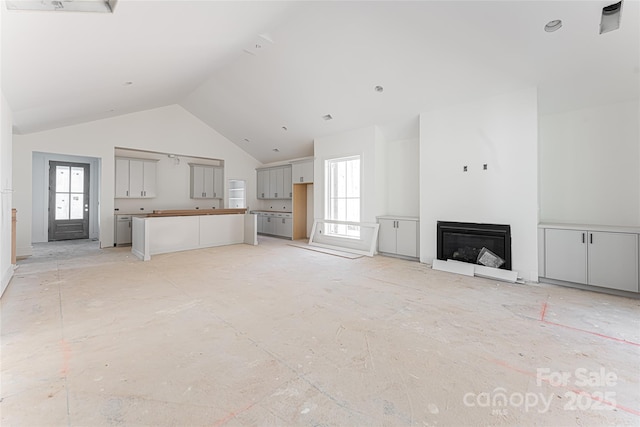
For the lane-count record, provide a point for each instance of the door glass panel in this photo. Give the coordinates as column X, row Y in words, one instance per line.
column 62, row 205
column 77, row 206
column 77, row 180
column 62, row 178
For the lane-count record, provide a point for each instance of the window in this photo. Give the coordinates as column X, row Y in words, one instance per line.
column 343, row 195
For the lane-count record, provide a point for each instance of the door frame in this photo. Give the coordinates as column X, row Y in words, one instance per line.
column 86, row 194
column 40, row 193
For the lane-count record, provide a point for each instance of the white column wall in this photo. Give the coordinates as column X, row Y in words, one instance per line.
column 503, row 133
column 6, row 192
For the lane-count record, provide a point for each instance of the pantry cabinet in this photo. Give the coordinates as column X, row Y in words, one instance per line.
column 206, row 181
column 135, row 178
column 274, row 183
column 593, row 257
column 398, row 236
column 302, row 172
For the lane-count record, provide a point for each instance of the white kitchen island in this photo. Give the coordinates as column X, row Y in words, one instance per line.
column 173, row 231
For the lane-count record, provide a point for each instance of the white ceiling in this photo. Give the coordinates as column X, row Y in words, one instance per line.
column 315, row 58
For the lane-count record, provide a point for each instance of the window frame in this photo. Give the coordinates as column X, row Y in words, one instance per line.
column 329, row 198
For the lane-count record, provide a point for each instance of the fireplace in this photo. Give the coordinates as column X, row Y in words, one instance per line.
column 464, row 241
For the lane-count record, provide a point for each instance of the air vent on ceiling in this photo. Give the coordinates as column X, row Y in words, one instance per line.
column 610, row 17
column 327, row 117
column 101, row 6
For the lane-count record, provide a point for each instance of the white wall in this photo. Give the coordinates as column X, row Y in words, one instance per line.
column 403, row 177
column 364, row 142
column 590, row 165
column 503, row 133
column 168, row 129
column 6, row 187
column 40, row 193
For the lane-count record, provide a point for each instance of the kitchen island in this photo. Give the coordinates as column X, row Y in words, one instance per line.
column 181, row 230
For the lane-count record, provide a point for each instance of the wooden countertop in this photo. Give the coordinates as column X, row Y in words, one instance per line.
column 191, row 212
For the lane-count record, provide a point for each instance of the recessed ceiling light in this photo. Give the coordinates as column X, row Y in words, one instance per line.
column 127, row 83
column 275, row 150
column 552, row 26
column 247, row 140
column 284, row 128
column 378, row 88
column 327, row 117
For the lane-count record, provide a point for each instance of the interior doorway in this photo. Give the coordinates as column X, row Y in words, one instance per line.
column 68, row 200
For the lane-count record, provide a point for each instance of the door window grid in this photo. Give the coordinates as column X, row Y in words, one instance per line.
column 69, row 192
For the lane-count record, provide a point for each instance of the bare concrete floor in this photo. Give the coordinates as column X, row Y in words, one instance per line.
column 278, row 335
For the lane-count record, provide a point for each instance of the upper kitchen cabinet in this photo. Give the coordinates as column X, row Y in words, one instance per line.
column 135, row 178
column 302, row 172
column 274, row 183
column 206, row 181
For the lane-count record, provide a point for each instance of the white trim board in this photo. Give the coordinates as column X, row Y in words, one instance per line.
column 365, row 245
column 467, row 269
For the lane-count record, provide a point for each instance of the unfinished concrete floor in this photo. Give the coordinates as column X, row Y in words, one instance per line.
column 278, row 335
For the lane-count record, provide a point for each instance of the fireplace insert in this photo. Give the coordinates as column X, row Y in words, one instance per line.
column 464, row 241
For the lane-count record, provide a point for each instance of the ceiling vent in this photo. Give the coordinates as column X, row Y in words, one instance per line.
column 610, row 17
column 100, row 6
column 327, row 117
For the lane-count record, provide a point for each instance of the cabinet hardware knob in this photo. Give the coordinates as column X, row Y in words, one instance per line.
column 582, row 237
column 591, row 238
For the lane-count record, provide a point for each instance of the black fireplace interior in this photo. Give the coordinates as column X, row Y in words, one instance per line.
column 463, row 241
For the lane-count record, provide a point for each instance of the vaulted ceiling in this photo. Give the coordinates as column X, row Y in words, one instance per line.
column 265, row 73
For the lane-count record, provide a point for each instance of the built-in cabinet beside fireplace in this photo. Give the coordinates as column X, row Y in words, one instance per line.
column 600, row 256
column 398, row 236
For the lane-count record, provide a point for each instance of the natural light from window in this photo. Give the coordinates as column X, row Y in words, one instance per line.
column 343, row 196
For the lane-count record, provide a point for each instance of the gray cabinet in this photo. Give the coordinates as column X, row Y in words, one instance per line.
column 398, row 236
column 274, row 183
column 206, row 181
column 598, row 258
column 135, row 178
column 275, row 224
column 302, row 172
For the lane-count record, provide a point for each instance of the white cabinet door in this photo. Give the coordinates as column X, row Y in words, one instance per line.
column 136, row 178
column 283, row 226
column 302, row 172
column 387, row 236
column 218, row 183
column 149, row 178
column 197, row 182
column 288, row 228
column 276, row 183
column 407, row 238
column 263, row 184
column 269, row 225
column 566, row 255
column 287, row 189
column 122, row 178
column 207, row 183
column 613, row 260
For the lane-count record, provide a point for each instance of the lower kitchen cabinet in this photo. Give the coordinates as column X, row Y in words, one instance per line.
column 398, row 236
column 275, row 224
column 606, row 259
